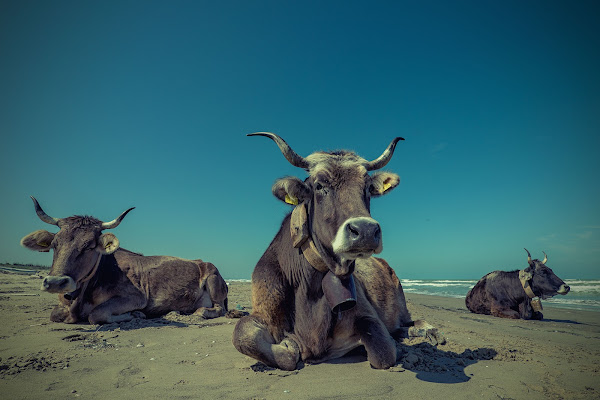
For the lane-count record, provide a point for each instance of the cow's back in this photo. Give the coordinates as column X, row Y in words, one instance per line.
column 169, row 283
column 477, row 300
column 383, row 290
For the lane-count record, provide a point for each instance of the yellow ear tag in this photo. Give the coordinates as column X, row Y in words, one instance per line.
column 291, row 200
column 386, row 186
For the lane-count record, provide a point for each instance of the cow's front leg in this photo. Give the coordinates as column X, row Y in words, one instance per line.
column 252, row 338
column 62, row 313
column 380, row 346
column 210, row 312
column 116, row 309
column 498, row 310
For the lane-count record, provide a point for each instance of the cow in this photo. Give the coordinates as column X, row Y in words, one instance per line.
column 516, row 294
column 317, row 291
column 98, row 281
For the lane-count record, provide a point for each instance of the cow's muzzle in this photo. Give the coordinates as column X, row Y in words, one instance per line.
column 358, row 238
column 58, row 284
column 563, row 289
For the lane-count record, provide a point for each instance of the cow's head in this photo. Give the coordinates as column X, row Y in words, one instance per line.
column 544, row 282
column 337, row 194
column 78, row 246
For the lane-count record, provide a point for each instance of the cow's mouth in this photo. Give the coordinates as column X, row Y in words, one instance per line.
column 563, row 289
column 72, row 295
column 354, row 254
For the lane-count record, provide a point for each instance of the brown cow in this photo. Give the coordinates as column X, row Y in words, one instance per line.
column 317, row 292
column 100, row 282
column 516, row 294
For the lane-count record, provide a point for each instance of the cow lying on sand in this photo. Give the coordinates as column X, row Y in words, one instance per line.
column 516, row 294
column 317, row 292
column 100, row 282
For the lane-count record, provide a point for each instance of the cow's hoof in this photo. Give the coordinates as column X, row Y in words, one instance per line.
column 286, row 354
column 236, row 314
column 138, row 314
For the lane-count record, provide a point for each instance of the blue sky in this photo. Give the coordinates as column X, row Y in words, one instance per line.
column 109, row 105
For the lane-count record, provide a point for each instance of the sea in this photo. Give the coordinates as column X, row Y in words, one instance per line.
column 584, row 293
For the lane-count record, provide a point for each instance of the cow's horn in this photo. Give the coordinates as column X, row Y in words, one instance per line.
column 384, row 158
column 528, row 256
column 115, row 222
column 286, row 150
column 43, row 216
column 545, row 258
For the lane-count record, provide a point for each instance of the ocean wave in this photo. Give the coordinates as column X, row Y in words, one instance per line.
column 582, row 282
column 434, row 284
column 585, row 288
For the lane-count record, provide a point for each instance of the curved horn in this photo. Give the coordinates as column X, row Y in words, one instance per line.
column 43, row 216
column 528, row 256
column 286, row 150
column 545, row 258
column 384, row 158
column 115, row 222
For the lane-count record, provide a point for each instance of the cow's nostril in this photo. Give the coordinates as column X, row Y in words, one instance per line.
column 377, row 232
column 353, row 231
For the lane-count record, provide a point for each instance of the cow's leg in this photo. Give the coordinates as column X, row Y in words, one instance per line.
column 116, row 309
column 213, row 301
column 498, row 310
column 252, row 338
column 380, row 346
column 210, row 312
column 61, row 313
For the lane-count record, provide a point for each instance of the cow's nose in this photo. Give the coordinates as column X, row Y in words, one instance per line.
column 363, row 230
column 58, row 284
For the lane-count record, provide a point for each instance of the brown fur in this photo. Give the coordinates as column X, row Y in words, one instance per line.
column 125, row 284
column 291, row 319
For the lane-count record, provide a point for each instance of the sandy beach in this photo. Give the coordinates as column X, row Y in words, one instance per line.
column 186, row 357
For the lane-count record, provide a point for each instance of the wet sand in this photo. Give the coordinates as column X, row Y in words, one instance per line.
column 186, row 357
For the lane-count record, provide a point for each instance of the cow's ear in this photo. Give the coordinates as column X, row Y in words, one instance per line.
column 107, row 243
column 38, row 241
column 291, row 190
column 383, row 183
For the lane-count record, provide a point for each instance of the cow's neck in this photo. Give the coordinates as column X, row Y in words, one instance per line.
column 536, row 303
column 301, row 238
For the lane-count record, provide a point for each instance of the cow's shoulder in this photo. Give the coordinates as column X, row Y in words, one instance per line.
column 376, row 272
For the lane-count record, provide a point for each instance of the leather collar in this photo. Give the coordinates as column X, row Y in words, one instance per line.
column 301, row 238
column 525, row 279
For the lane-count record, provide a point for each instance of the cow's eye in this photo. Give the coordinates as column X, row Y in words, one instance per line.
column 318, row 186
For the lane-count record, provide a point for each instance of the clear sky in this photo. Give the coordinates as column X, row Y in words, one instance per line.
column 105, row 105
